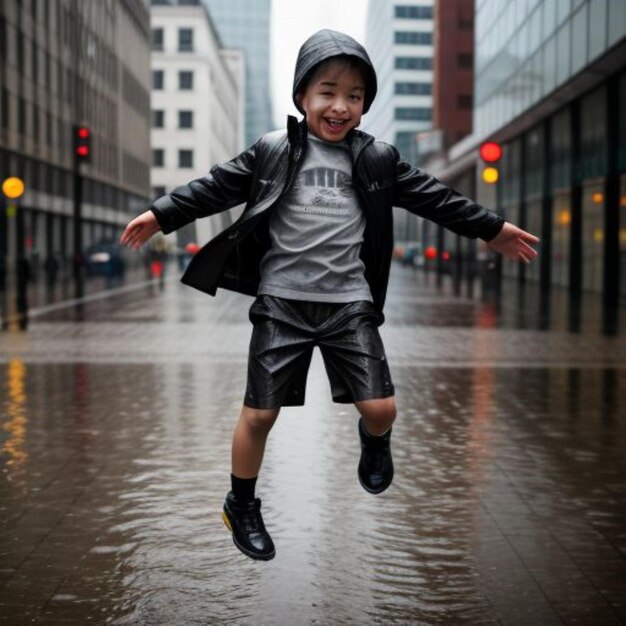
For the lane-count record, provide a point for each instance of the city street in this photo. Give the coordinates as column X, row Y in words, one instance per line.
column 508, row 504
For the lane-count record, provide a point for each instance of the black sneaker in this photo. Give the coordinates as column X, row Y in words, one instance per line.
column 376, row 464
column 244, row 520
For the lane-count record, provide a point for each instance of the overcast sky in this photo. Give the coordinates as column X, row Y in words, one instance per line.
column 292, row 22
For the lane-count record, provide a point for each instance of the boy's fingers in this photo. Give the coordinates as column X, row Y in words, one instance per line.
column 529, row 238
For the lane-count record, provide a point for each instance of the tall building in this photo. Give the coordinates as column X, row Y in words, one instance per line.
column 66, row 63
column 245, row 24
column 197, row 104
column 399, row 40
column 454, row 64
column 550, row 87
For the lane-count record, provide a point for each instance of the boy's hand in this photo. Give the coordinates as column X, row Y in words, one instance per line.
column 514, row 243
column 140, row 230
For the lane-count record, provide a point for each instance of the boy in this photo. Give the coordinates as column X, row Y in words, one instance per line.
column 314, row 246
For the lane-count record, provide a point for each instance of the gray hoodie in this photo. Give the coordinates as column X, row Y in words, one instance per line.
column 324, row 45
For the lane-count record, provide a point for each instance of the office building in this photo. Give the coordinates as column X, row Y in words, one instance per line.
column 399, row 40
column 197, row 104
column 245, row 25
column 453, row 85
column 65, row 63
column 550, row 87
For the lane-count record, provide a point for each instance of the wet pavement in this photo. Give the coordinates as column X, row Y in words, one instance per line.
column 508, row 504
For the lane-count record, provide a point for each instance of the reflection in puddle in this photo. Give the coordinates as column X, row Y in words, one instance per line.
column 16, row 420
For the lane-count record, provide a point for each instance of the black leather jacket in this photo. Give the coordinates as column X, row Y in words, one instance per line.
column 261, row 175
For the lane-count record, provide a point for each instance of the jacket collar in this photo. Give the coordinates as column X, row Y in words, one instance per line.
column 297, row 132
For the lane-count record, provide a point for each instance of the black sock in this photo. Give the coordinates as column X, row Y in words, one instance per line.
column 243, row 488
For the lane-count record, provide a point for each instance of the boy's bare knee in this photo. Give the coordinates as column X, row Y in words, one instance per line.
column 383, row 409
column 259, row 419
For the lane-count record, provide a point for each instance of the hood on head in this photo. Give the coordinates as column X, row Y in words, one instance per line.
column 324, row 45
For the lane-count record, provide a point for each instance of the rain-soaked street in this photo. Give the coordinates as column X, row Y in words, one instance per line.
column 508, row 504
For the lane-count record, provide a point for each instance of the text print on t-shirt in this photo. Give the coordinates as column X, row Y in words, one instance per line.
column 322, row 191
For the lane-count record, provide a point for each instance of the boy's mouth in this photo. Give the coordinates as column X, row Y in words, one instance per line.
column 335, row 125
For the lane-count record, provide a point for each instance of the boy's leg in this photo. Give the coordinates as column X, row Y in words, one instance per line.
column 242, row 511
column 378, row 415
column 249, row 440
column 278, row 362
column 376, row 465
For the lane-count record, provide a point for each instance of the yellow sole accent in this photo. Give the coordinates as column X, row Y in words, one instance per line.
column 227, row 521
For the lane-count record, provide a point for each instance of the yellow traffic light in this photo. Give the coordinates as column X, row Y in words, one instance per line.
column 13, row 187
column 491, row 175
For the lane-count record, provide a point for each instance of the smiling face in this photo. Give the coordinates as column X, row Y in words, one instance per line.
column 333, row 100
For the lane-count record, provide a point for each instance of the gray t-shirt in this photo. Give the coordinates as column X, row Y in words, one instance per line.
column 316, row 232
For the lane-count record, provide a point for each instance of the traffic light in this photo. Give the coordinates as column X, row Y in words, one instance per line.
column 82, row 144
column 490, row 153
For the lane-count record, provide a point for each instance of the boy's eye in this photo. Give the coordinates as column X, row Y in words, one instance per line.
column 355, row 97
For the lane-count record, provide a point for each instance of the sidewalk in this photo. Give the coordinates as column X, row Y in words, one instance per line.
column 508, row 505
column 42, row 296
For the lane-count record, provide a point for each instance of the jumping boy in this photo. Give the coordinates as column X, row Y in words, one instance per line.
column 313, row 245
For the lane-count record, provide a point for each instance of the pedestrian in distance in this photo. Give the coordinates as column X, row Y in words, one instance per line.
column 313, row 246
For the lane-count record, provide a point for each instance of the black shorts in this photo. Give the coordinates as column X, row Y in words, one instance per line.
column 284, row 335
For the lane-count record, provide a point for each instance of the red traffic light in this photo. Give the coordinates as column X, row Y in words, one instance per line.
column 82, row 143
column 490, row 151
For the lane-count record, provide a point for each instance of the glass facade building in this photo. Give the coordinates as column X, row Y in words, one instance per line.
column 245, row 24
column 550, row 86
column 527, row 49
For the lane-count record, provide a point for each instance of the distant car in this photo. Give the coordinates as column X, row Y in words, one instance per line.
column 413, row 255
column 105, row 259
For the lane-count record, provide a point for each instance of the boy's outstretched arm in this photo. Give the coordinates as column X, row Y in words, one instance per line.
column 514, row 243
column 140, row 230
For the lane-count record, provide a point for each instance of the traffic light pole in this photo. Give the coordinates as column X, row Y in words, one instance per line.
column 4, row 243
column 77, row 258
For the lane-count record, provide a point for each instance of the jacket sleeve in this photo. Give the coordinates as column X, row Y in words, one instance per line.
column 225, row 186
column 424, row 195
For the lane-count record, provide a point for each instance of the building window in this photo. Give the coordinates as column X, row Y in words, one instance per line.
column 465, row 60
column 185, row 119
column 20, row 49
column 35, row 123
column 158, row 119
column 3, row 40
column 185, row 40
column 21, row 116
column 422, row 39
column 406, row 143
column 49, row 129
column 414, row 89
column 157, row 192
column 185, row 158
column 157, row 39
column 5, row 107
column 414, row 63
column 35, row 61
column 157, row 79
column 465, row 22
column 414, row 13
column 185, row 80
column 464, row 101
column 158, row 157
column 423, row 114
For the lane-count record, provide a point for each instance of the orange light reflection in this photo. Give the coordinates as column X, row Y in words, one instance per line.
column 16, row 423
